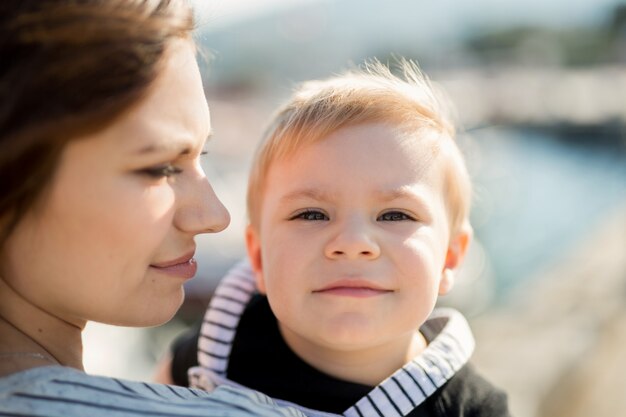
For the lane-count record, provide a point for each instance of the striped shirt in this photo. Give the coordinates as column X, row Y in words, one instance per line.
column 56, row 391
column 448, row 351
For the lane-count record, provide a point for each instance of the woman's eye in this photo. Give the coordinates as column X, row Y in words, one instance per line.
column 394, row 216
column 163, row 171
column 310, row 215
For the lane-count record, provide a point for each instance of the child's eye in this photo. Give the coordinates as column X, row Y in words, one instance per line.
column 161, row 171
column 394, row 216
column 310, row 215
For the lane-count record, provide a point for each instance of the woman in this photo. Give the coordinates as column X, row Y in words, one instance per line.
column 102, row 123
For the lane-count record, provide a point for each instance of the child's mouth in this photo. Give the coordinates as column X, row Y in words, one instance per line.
column 350, row 291
column 353, row 287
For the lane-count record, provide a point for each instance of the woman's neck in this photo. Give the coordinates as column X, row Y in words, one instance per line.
column 31, row 336
column 368, row 366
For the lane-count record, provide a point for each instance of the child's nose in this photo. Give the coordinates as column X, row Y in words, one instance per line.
column 354, row 240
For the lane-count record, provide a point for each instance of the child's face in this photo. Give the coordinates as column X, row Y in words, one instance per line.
column 353, row 239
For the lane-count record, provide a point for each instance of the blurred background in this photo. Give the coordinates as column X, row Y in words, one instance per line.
column 540, row 91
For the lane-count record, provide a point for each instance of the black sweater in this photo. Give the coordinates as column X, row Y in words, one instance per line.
column 260, row 359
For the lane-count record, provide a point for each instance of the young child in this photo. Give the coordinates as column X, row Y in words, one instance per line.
column 358, row 206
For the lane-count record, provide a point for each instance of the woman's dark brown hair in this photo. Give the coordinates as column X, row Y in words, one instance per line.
column 67, row 68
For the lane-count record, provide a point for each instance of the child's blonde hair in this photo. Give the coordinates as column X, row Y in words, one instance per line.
column 368, row 95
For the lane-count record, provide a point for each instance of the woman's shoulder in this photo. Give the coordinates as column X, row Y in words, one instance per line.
column 55, row 390
column 33, row 377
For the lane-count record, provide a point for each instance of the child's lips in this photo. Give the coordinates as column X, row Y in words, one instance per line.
column 357, row 292
column 353, row 288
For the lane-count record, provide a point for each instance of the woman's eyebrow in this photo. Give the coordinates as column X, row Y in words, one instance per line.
column 159, row 148
column 183, row 146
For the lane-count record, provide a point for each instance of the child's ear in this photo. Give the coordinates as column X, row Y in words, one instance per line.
column 457, row 249
column 253, row 245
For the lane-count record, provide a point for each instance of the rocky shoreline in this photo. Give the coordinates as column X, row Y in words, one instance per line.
column 557, row 344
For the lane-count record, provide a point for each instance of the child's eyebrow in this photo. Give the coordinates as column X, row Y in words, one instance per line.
column 308, row 194
column 398, row 193
column 416, row 196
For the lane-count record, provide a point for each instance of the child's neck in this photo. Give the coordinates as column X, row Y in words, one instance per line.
column 367, row 366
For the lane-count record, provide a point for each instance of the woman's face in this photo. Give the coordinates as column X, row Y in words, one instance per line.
column 112, row 239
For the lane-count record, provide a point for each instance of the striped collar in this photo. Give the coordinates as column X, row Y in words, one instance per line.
column 398, row 395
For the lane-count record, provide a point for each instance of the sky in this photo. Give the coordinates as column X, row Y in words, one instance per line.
column 223, row 12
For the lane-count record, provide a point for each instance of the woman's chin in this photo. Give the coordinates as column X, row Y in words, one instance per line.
column 154, row 314
column 163, row 316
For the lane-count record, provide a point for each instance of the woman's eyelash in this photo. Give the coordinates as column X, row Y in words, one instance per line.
column 309, row 215
column 395, row 216
column 162, row 171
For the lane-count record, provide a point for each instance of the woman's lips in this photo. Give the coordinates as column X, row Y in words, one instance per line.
column 183, row 267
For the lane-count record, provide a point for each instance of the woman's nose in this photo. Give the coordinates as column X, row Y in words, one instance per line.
column 353, row 240
column 199, row 209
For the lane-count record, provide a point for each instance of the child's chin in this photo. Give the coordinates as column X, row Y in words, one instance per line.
column 352, row 339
